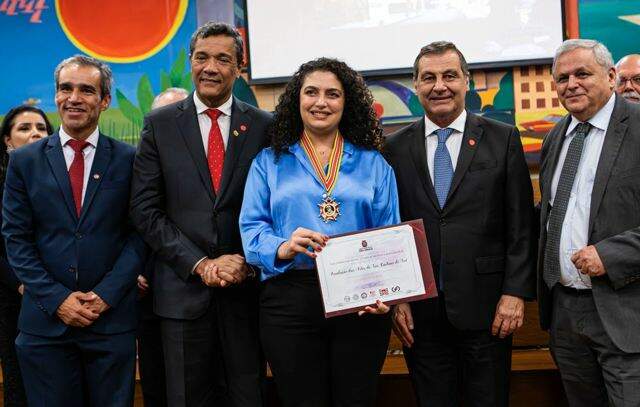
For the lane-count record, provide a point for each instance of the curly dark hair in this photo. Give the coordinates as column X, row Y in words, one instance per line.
column 359, row 123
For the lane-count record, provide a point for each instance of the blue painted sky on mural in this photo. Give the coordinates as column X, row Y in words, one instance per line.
column 32, row 50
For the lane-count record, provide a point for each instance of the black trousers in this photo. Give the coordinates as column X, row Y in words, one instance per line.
column 150, row 356
column 318, row 362
column 214, row 360
column 13, row 388
column 594, row 371
column 452, row 367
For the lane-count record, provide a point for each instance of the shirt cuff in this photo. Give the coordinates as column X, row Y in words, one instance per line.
column 195, row 266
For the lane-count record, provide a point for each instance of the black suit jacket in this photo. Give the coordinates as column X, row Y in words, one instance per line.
column 614, row 221
column 175, row 208
column 483, row 235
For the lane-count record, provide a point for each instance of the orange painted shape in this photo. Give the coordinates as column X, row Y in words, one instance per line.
column 120, row 30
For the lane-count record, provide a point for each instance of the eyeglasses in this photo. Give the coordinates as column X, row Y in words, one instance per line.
column 621, row 81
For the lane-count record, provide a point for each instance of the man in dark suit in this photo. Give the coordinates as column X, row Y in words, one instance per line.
column 466, row 177
column 589, row 247
column 68, row 238
column 187, row 190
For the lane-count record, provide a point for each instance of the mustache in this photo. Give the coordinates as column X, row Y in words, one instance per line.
column 630, row 94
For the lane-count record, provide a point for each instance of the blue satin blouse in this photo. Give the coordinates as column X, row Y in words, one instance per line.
column 283, row 195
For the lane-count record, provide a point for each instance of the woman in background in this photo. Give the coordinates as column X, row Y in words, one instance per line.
column 323, row 175
column 21, row 125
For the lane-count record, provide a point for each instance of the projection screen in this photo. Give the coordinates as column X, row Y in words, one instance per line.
column 384, row 36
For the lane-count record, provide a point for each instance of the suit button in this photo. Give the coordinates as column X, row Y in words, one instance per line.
column 443, row 222
column 215, row 214
column 79, row 236
column 72, row 269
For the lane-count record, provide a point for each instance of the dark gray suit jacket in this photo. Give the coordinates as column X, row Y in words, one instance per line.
column 614, row 224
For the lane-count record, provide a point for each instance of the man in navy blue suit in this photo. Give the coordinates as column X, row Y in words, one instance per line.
column 68, row 238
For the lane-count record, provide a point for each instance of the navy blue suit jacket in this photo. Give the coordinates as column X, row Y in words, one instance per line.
column 54, row 252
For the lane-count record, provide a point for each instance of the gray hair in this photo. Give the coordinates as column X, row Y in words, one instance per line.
column 106, row 77
column 212, row 28
column 600, row 52
column 439, row 48
column 178, row 91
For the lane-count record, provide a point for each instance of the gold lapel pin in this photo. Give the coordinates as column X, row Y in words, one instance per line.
column 96, row 176
column 235, row 133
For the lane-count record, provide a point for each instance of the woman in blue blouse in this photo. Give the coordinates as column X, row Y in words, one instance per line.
column 323, row 175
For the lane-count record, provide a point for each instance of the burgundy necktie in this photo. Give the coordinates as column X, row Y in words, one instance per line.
column 76, row 171
column 215, row 149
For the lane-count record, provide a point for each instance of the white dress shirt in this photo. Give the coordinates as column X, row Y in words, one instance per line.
column 453, row 143
column 575, row 226
column 224, row 120
column 88, row 154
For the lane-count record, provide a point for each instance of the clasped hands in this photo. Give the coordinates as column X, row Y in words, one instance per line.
column 223, row 271
column 310, row 243
column 81, row 309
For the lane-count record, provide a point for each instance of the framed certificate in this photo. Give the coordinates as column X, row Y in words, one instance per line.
column 390, row 264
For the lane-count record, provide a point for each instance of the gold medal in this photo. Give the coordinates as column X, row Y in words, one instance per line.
column 329, row 207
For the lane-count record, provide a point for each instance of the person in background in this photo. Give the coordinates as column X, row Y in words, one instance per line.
column 150, row 356
column 21, row 125
column 169, row 96
column 324, row 156
column 628, row 78
column 589, row 250
column 466, row 177
column 189, row 175
column 70, row 242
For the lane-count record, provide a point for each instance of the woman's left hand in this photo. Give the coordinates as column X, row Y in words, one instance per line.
column 378, row 308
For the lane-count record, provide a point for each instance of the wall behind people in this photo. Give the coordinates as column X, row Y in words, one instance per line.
column 522, row 95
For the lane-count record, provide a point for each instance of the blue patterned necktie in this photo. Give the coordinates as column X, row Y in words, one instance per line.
column 442, row 167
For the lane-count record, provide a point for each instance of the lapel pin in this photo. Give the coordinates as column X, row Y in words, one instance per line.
column 472, row 142
column 235, row 133
column 243, row 127
column 96, row 176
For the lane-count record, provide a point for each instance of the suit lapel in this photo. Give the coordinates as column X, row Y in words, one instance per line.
column 59, row 169
column 101, row 160
column 238, row 134
column 419, row 156
column 612, row 141
column 556, row 139
column 187, row 123
column 474, row 131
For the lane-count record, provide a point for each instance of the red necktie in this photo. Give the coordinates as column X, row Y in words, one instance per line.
column 76, row 171
column 215, row 149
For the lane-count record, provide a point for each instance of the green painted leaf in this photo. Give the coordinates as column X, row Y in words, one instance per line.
column 145, row 94
column 177, row 69
column 165, row 81
column 186, row 82
column 128, row 109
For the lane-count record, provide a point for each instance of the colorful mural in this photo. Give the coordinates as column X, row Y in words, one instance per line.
column 145, row 43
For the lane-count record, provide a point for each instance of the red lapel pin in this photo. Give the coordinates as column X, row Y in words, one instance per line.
column 472, row 142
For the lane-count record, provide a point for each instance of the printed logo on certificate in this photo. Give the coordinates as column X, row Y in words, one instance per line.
column 390, row 264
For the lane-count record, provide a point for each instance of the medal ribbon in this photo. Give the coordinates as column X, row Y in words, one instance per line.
column 329, row 179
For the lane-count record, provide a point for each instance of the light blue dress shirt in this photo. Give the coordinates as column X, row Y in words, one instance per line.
column 575, row 227
column 283, row 195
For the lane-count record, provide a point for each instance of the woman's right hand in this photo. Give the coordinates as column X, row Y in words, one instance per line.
column 300, row 241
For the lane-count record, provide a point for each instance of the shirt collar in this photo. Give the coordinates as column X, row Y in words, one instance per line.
column 225, row 108
column 457, row 125
column 600, row 120
column 92, row 139
column 347, row 147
